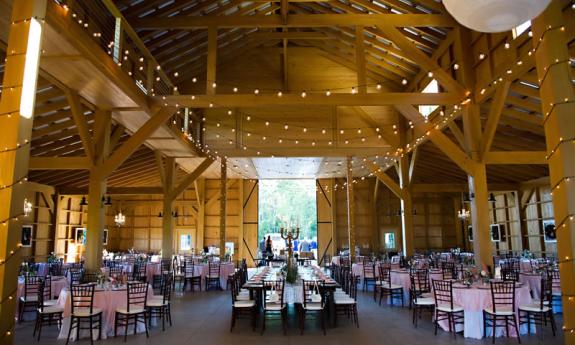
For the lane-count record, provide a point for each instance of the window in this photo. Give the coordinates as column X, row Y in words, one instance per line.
column 390, row 240
column 432, row 87
column 521, row 29
column 186, row 242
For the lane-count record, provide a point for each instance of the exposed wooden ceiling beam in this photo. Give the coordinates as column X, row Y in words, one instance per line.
column 59, row 163
column 270, row 100
column 294, row 21
column 516, row 157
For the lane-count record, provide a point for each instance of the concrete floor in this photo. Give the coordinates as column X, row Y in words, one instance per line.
column 204, row 318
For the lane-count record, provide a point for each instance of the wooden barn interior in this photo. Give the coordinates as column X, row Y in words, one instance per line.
column 172, row 112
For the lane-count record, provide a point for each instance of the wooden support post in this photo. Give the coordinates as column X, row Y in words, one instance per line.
column 20, row 73
column 240, row 247
column 333, row 200
column 558, row 103
column 168, row 208
column 480, row 217
column 96, row 193
column 223, row 209
column 406, row 206
column 212, row 60
column 200, row 220
column 350, row 209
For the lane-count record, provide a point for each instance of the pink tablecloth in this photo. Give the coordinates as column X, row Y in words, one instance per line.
column 108, row 301
column 226, row 268
column 474, row 300
column 532, row 281
column 151, row 270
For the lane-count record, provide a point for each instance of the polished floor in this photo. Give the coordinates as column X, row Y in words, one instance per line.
column 204, row 318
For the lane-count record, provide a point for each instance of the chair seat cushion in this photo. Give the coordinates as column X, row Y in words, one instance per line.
column 52, row 310
column 85, row 312
column 212, row 277
column 313, row 306
column 133, row 310
column 499, row 311
column 447, row 308
column 344, row 301
column 426, row 295
column 274, row 306
column 31, row 298
column 424, row 301
column 156, row 302
column 534, row 307
column 245, row 304
column 538, row 302
column 243, row 297
column 50, row 302
column 392, row 287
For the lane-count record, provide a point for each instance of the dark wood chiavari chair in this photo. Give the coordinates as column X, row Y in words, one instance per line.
column 448, row 270
column 160, row 306
column 387, row 289
column 140, row 272
column 46, row 314
column 556, row 288
column 420, row 294
column 540, row 310
column 135, row 311
column 445, row 307
column 212, row 279
column 56, row 269
column 313, row 302
column 502, row 309
column 83, row 311
column 346, row 302
column 273, row 302
column 245, row 307
column 29, row 301
column 368, row 274
column 166, row 266
column 75, row 275
column 192, row 274
column 115, row 271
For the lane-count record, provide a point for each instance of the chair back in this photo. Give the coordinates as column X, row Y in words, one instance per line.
column 509, row 275
column 368, row 270
column 385, row 275
column 116, row 271
column 82, row 296
column 546, row 297
column 47, row 286
column 345, row 261
column 31, row 286
column 352, row 289
column 214, row 269
column 313, row 288
column 555, row 279
column 75, row 275
column 137, row 295
column 140, row 270
column 503, row 295
column 448, row 270
column 166, row 266
column 419, row 282
column 91, row 277
column 443, row 293
column 167, row 288
column 56, row 268
column 273, row 289
column 158, row 283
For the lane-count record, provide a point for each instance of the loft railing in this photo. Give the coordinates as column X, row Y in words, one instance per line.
column 110, row 30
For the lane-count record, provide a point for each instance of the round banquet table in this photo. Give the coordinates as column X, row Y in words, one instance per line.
column 474, row 300
column 533, row 281
column 401, row 277
column 151, row 270
column 106, row 299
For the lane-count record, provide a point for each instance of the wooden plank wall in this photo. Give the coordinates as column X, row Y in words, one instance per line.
column 41, row 219
column 539, row 208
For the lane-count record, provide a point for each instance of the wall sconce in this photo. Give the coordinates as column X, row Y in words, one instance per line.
column 83, row 202
column 107, row 201
column 492, row 198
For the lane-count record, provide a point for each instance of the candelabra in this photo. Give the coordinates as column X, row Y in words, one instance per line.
column 288, row 234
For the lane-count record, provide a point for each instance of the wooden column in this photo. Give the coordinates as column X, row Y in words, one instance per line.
column 96, row 193
column 223, row 210
column 16, row 111
column 168, row 208
column 200, row 195
column 240, row 247
column 406, row 206
column 350, row 209
column 480, row 216
column 558, row 105
column 212, row 60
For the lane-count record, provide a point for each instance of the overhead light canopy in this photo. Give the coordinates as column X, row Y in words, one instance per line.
column 494, row 15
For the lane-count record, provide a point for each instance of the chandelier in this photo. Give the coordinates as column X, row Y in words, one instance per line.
column 463, row 214
column 120, row 219
column 27, row 207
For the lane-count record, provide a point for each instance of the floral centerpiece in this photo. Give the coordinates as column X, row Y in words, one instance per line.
column 290, row 268
column 467, row 277
column 526, row 254
column 52, row 258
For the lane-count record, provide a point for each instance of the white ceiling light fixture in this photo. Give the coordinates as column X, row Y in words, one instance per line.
column 494, row 15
